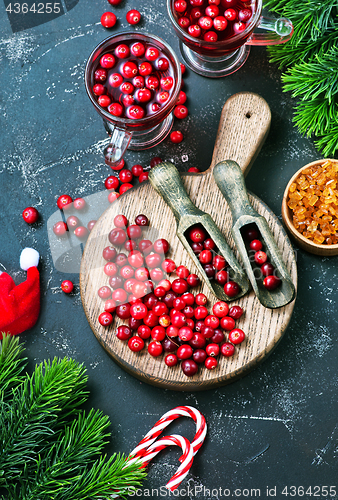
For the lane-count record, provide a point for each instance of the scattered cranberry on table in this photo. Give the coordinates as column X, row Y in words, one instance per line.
column 176, row 137
column 67, row 286
column 108, row 19
column 30, row 215
column 64, row 201
column 133, row 16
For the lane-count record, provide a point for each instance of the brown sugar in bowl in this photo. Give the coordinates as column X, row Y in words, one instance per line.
column 304, row 243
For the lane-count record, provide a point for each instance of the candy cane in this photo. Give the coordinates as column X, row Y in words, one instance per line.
column 165, row 420
column 160, row 444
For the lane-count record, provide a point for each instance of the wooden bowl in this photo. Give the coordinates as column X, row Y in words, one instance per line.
column 302, row 242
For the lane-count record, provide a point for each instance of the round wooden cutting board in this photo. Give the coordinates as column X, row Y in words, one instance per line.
column 244, row 124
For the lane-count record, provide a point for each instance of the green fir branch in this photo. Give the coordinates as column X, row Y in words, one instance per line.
column 311, row 62
column 54, row 390
column 12, row 365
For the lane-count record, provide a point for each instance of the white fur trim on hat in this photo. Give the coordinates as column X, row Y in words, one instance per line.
column 29, row 258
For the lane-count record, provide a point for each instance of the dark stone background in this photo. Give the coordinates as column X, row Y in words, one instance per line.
column 278, row 425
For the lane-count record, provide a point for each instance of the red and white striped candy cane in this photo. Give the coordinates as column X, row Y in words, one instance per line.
column 165, row 420
column 160, row 444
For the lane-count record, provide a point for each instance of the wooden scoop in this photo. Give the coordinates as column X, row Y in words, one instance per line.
column 166, row 180
column 230, row 180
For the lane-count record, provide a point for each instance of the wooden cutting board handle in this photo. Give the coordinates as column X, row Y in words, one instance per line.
column 243, row 127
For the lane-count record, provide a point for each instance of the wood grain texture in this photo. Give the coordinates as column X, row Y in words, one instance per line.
column 243, row 127
column 302, row 242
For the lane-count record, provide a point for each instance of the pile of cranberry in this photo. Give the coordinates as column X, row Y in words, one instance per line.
column 176, row 322
column 213, row 20
column 260, row 259
column 73, row 223
column 215, row 266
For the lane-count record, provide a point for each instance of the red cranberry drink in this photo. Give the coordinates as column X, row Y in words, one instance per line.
column 134, row 80
column 215, row 34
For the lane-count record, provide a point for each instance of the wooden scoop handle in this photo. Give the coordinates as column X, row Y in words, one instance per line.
column 243, row 127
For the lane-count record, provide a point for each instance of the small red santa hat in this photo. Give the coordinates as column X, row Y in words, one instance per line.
column 20, row 304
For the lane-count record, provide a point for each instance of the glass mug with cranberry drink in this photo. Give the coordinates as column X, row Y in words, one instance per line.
column 215, row 35
column 133, row 80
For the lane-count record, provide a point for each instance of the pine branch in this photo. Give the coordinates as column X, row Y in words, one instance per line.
column 11, row 365
column 311, row 57
column 55, row 389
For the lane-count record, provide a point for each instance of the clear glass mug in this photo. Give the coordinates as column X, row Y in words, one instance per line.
column 223, row 57
column 126, row 133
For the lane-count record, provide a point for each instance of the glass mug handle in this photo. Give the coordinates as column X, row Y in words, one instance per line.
column 279, row 31
column 119, row 141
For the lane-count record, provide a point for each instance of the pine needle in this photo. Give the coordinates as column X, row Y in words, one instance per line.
column 11, row 365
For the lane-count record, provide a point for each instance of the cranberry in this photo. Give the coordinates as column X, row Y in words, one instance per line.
column 115, row 109
column 145, row 68
column 143, row 95
column 64, row 201
column 205, row 257
column 122, row 51
column 145, row 246
column 121, row 260
column 81, row 232
column 271, row 282
column 251, row 233
column 117, row 236
column 111, row 182
column 178, row 319
column 125, row 187
column 197, row 341
column 236, row 336
column 98, row 89
column 104, row 101
column 267, row 269
column 181, row 111
column 156, row 274
column 182, row 272
column 220, row 23
column 169, row 300
column 137, row 49
column 133, row 16
column 180, row 6
column 179, row 304
column 104, row 292
column 222, row 277
column 127, row 272
column 123, row 311
column 201, row 312
column 220, row 309
column 207, row 332
column 205, row 22
column 125, row 175
column 179, row 286
column 159, row 291
column 212, row 11
column 108, row 20
column 210, row 363
column 199, row 356
column 153, row 260
column 128, row 286
column 227, row 349
column 110, row 269
column 152, row 53
column 123, row 332
column 218, row 336
column 260, row 257
column 107, row 61
column 105, row 319
column 244, row 15
column 210, row 36
column 168, row 265
column 160, row 308
column 91, row 224
column 188, row 298
column 235, row 312
column 110, row 306
column 176, row 137
column 158, row 333
column 185, row 333
column 144, row 332
column 134, row 324
column 100, row 75
column 231, row 289
column 161, row 246
column 209, row 270
column 156, row 160
column 119, row 295
column 67, row 286
column 197, row 235
column 171, row 360
column 201, row 299
column 137, row 170
column 227, row 323
column 115, row 282
column 30, row 215
column 143, row 177
column 114, row 2
column 155, row 349
column 115, row 80
column 163, row 96
column 211, row 321
column 184, row 351
column 193, row 280
column 188, row 311
column 256, row 245
column 172, row 331
column 219, row 262
column 166, row 284
column 230, row 14
column 140, row 289
column 135, row 344
column 164, row 320
column 189, row 367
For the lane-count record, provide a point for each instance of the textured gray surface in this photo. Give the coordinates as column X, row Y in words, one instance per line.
column 278, row 425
